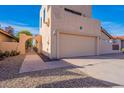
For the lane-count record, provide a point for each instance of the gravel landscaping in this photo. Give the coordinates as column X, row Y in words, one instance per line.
column 68, row 77
column 10, row 66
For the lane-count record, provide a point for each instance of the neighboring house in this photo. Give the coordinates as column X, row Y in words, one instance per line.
column 70, row 31
column 6, row 37
column 108, row 44
column 121, row 38
column 7, row 41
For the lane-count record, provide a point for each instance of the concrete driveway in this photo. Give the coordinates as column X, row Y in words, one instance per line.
column 106, row 67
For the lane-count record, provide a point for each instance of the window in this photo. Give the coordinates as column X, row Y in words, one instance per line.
column 105, row 40
column 44, row 15
column 72, row 11
column 115, row 41
column 115, row 47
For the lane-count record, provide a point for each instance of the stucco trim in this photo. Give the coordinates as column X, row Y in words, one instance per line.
column 77, row 34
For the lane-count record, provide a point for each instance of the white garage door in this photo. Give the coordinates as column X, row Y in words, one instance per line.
column 73, row 45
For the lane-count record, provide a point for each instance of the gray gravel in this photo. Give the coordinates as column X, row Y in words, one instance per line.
column 10, row 66
column 68, row 77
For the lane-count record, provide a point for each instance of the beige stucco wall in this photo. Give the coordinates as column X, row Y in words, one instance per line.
column 84, row 9
column 5, row 38
column 45, row 31
column 66, row 22
column 38, row 39
column 8, row 46
column 61, row 21
column 20, row 46
column 7, row 43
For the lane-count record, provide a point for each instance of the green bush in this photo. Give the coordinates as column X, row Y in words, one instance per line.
column 14, row 53
column 6, row 53
column 122, row 49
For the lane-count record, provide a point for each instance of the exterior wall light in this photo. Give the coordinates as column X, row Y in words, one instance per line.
column 54, row 32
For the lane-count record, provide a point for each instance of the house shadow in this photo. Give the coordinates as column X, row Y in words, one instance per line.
column 87, row 82
column 11, row 71
column 46, row 58
column 7, row 75
column 102, row 56
column 76, row 82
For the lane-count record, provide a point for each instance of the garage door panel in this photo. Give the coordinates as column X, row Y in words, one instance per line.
column 72, row 46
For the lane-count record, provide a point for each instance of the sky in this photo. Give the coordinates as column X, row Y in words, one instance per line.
column 111, row 17
column 27, row 17
column 20, row 17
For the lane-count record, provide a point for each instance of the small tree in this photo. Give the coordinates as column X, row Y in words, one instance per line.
column 10, row 30
column 24, row 32
column 29, row 42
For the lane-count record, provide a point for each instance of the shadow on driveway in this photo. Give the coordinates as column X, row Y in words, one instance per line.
column 64, row 77
column 103, row 56
column 87, row 82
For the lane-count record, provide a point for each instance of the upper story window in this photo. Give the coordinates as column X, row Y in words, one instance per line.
column 72, row 11
column 44, row 15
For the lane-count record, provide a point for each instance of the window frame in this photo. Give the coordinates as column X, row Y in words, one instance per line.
column 115, row 47
column 41, row 22
column 73, row 11
column 44, row 15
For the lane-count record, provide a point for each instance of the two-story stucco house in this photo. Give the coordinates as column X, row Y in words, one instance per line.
column 70, row 31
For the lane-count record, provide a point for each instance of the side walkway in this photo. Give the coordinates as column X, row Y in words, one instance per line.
column 33, row 62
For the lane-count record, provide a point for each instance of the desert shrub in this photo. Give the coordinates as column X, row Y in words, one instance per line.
column 14, row 53
column 6, row 53
column 122, row 50
column 35, row 49
column 1, row 54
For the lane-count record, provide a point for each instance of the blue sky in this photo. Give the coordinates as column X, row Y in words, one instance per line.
column 27, row 17
column 111, row 17
column 20, row 17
